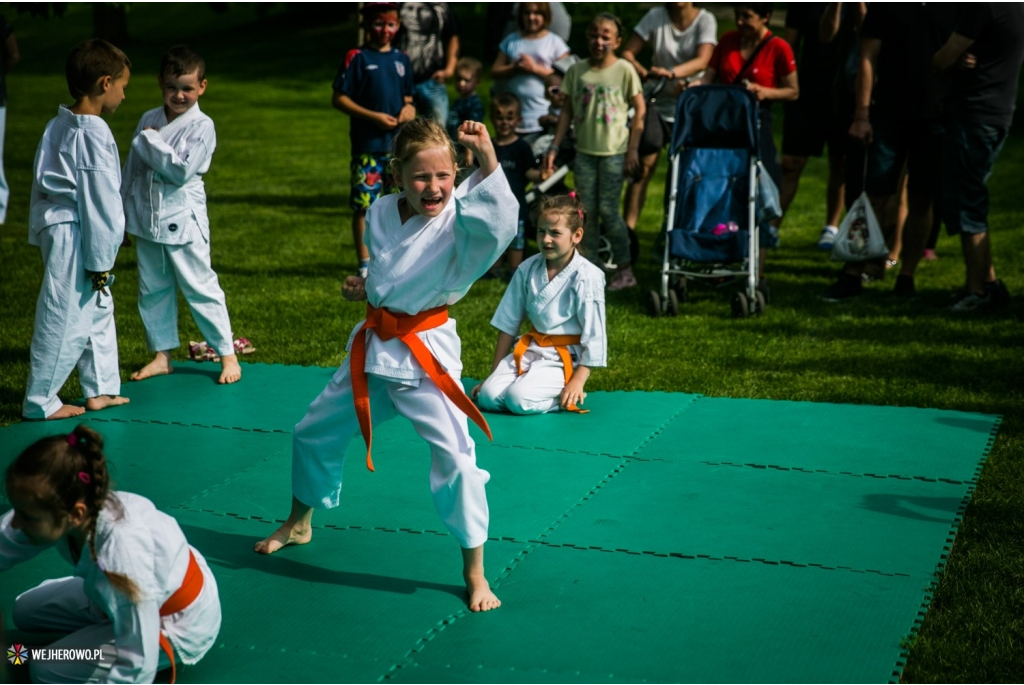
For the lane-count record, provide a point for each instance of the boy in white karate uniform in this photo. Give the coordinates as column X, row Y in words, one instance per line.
column 165, row 208
column 77, row 222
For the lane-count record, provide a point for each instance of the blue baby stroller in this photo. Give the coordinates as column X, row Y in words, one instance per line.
column 715, row 216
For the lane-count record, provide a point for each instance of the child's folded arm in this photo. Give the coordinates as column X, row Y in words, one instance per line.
column 101, row 217
column 593, row 338
column 155, row 153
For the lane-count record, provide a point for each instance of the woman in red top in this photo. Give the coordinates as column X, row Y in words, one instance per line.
column 770, row 75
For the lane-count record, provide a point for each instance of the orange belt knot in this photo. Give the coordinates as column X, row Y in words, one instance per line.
column 560, row 343
column 388, row 325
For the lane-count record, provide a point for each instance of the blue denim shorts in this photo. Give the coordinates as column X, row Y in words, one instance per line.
column 968, row 156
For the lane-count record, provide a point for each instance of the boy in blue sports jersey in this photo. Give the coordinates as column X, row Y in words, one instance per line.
column 374, row 87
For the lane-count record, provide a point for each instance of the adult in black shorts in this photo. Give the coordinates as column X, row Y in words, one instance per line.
column 988, row 46
column 898, row 117
column 824, row 111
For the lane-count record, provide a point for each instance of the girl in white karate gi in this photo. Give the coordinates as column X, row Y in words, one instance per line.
column 427, row 246
column 563, row 296
column 139, row 592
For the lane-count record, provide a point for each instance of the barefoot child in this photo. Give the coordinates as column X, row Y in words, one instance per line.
column 563, row 296
column 139, row 591
column 427, row 246
column 165, row 208
column 77, row 221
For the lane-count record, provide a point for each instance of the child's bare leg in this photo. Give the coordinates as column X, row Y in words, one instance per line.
column 160, row 366
column 478, row 591
column 103, row 401
column 66, row 411
column 230, row 371
column 297, row 530
column 358, row 228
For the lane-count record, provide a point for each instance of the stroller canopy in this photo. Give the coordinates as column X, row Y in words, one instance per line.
column 716, row 116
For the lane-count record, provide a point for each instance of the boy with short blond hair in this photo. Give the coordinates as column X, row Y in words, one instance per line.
column 374, row 87
column 165, row 207
column 77, row 222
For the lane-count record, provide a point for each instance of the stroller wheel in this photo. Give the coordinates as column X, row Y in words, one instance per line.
column 760, row 302
column 765, row 289
column 673, row 303
column 654, row 304
column 740, row 305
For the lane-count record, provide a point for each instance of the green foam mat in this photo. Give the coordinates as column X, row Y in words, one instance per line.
column 270, row 397
column 886, row 525
column 928, row 444
column 659, row 538
column 168, row 464
column 615, row 616
column 528, row 491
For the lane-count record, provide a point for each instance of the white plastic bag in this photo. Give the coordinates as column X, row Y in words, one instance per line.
column 860, row 237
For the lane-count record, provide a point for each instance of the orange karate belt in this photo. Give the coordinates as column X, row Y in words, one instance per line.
column 560, row 343
column 179, row 601
column 388, row 325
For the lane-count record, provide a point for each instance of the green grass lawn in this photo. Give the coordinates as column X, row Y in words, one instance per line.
column 281, row 245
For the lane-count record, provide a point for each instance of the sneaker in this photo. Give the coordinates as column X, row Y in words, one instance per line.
column 622, row 280
column 843, row 289
column 995, row 296
column 827, row 238
column 930, row 255
column 905, row 287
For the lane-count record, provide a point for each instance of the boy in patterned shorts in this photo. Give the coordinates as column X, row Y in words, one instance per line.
column 374, row 87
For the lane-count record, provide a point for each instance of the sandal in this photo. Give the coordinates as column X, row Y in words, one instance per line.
column 202, row 352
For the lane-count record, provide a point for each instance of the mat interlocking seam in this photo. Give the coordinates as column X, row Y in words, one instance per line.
column 510, row 568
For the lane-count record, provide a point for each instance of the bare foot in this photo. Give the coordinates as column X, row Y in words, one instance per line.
column 230, row 371
column 66, row 411
column 288, row 534
column 103, row 401
column 160, row 366
column 480, row 596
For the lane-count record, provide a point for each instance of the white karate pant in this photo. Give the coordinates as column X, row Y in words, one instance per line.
column 61, row 606
column 5, row 190
column 165, row 268
column 74, row 326
column 323, row 435
column 536, row 391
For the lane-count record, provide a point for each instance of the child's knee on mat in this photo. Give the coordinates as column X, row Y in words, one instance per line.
column 520, row 400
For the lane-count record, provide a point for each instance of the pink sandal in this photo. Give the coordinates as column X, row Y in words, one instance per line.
column 202, row 352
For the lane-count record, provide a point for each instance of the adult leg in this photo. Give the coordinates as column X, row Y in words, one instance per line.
column 64, row 318
column 792, row 168
column 609, row 189
column 835, row 194
column 319, row 443
column 636, row 191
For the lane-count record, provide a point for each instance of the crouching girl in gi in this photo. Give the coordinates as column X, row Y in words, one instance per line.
column 563, row 295
column 139, row 593
column 427, row 246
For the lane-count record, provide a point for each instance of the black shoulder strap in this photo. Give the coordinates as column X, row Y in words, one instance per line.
column 750, row 60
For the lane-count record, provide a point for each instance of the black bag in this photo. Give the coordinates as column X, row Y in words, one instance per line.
column 657, row 132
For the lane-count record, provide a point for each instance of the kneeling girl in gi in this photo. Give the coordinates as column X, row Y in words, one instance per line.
column 563, row 296
column 428, row 245
column 139, row 594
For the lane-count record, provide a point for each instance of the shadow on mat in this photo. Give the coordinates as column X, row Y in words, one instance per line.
column 230, row 550
column 909, row 507
column 213, row 373
column 977, row 425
